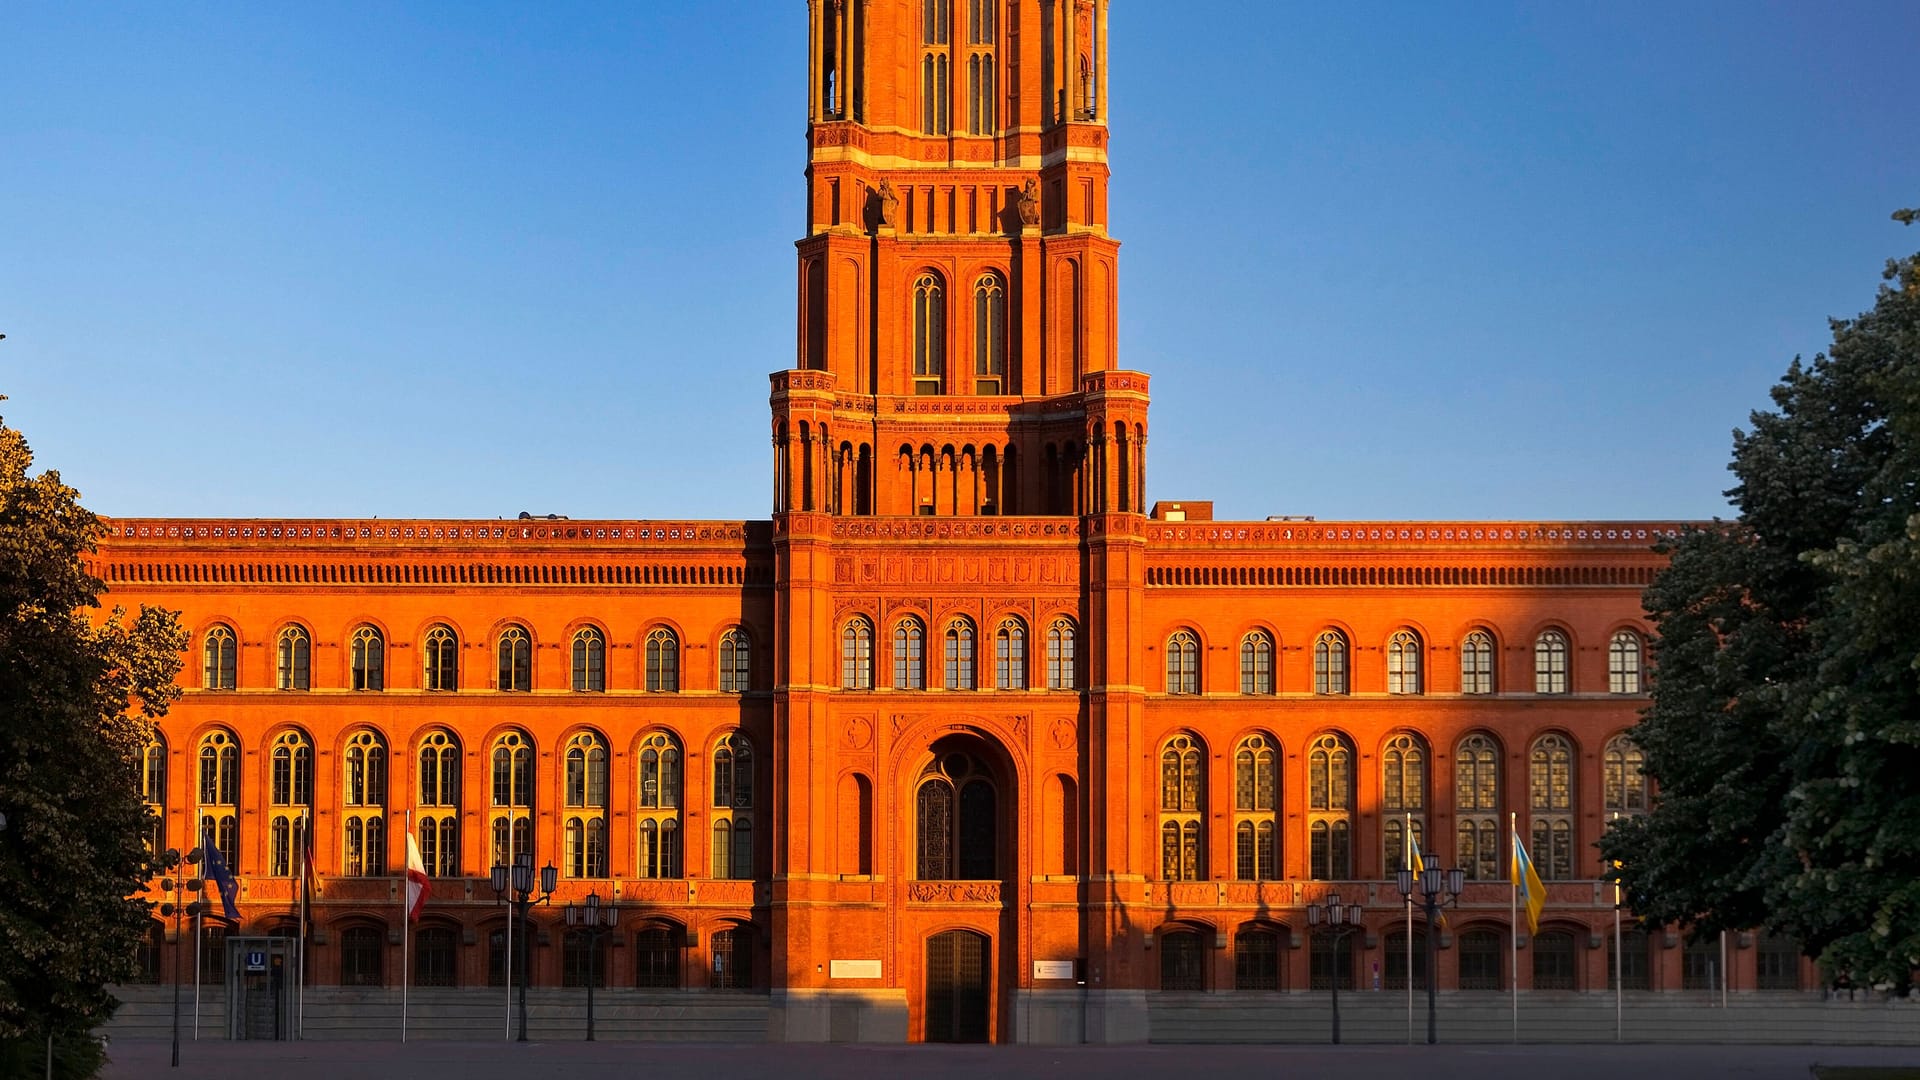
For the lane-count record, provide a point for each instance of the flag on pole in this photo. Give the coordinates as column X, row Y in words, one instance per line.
column 222, row 877
column 1419, row 866
column 309, row 877
column 1533, row 895
column 416, row 880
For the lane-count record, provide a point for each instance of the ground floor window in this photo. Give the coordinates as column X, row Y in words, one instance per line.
column 733, row 959
column 1553, row 961
column 1700, row 967
column 1182, row 961
column 1396, row 960
column 1778, row 961
column 1256, row 960
column 1480, row 953
column 581, row 958
column 657, row 955
column 435, row 958
column 363, row 956
column 213, row 954
column 1633, row 948
column 147, row 956
column 1332, row 957
column 497, row 956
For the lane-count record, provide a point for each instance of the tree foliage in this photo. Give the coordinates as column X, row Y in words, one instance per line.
column 1784, row 730
column 79, row 692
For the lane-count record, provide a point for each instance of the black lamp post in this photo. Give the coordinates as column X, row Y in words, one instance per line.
column 175, row 909
column 594, row 921
column 1340, row 920
column 1437, row 889
column 519, row 877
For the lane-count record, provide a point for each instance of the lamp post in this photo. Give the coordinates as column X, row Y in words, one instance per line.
column 594, row 920
column 1437, row 889
column 519, row 877
column 1340, row 920
column 174, row 909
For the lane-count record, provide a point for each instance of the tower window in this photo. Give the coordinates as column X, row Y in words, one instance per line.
column 929, row 334
column 989, row 335
column 936, row 35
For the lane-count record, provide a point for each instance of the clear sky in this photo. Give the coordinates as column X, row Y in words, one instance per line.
column 1383, row 261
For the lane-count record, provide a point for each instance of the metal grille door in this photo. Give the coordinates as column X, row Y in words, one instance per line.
column 958, row 998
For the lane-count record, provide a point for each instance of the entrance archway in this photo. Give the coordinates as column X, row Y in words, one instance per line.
column 959, row 976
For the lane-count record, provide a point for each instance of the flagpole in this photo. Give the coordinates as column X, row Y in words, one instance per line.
column 1513, row 911
column 509, row 928
column 1619, row 960
column 1416, row 884
column 306, row 885
column 197, row 951
column 406, row 941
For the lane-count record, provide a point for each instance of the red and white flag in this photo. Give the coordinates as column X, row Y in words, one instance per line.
column 416, row 881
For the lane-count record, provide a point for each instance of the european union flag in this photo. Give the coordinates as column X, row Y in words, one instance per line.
column 222, row 877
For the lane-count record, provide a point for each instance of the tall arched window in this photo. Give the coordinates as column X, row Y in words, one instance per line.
column 659, row 811
column 982, row 111
column 220, row 795
column 440, row 658
column 1330, row 663
column 364, row 806
column 219, row 652
column 663, row 660
column 1403, row 663
column 989, row 327
column 856, row 655
column 1256, row 663
column 1183, row 663
column 295, row 653
column 439, row 801
column 956, row 821
column 512, row 814
column 1403, row 798
column 516, row 660
column 929, row 335
column 1063, row 672
column 153, row 789
column 1182, row 809
column 1623, row 663
column 368, row 658
column 585, row 797
column 1476, row 807
column 1476, row 663
column 1623, row 775
column 1330, row 809
column 957, row 655
column 1256, row 960
column 936, row 35
column 1550, row 663
column 1256, row 845
column 291, row 799
column 909, row 660
column 736, row 662
column 733, row 807
column 589, row 661
column 1550, row 806
column 1010, row 655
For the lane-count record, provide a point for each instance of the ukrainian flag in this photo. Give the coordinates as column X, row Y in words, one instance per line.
column 1418, row 865
column 1533, row 895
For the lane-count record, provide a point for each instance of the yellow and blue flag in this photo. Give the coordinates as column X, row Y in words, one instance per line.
column 1418, row 865
column 1533, row 895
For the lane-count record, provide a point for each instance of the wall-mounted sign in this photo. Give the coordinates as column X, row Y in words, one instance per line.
column 1053, row 969
column 256, row 960
column 853, row 969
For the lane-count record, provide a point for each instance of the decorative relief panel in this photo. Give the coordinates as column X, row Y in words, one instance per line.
column 954, row 892
column 957, row 570
column 654, row 892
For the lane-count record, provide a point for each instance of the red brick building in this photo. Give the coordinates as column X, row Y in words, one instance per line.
column 969, row 740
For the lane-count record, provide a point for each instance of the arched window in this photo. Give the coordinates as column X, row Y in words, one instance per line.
column 219, row 652
column 1476, row 663
column 441, row 659
column 292, row 800
column 1330, row 809
column 663, row 660
column 1396, row 957
column 153, row 789
column 363, row 956
column 1183, row 961
column 1183, row 663
column 856, row 655
column 1403, row 798
column 1256, row 961
column 1623, row 663
column 936, row 31
column 733, row 807
column 1550, row 806
column 295, row 652
column 439, row 801
column 1063, row 672
column 584, row 794
column 512, row 802
column 1481, row 953
column 516, row 660
column 659, row 952
column 364, row 805
column 589, row 661
column 1476, row 807
column 1553, row 960
column 1623, row 775
column 732, row 951
column 909, row 662
column 368, row 658
column 736, row 662
column 436, row 956
column 1634, row 947
column 1403, row 663
column 1182, row 809
column 1010, row 655
column 929, row 334
column 956, row 821
column 1256, row 663
column 220, row 795
column 982, row 111
column 989, row 325
column 1256, row 845
column 1330, row 663
column 1550, row 663
column 659, row 811
column 957, row 655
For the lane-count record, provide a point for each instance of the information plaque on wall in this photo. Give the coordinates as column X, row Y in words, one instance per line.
column 853, row 969
column 1053, row 969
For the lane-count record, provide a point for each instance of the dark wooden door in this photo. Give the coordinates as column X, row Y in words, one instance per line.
column 957, row 987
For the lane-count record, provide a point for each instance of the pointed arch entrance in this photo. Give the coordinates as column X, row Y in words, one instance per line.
column 959, row 980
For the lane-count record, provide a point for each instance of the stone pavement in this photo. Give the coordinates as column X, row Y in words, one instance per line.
column 671, row 1061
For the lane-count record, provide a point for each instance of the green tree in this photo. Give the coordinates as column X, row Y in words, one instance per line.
column 1784, row 730
column 79, row 693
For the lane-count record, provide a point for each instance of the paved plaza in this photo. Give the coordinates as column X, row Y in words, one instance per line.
column 657, row 1061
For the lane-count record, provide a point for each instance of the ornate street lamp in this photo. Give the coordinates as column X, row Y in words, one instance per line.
column 519, row 878
column 593, row 920
column 175, row 909
column 1438, row 888
column 1340, row 920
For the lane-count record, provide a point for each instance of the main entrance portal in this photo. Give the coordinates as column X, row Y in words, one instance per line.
column 958, row 1001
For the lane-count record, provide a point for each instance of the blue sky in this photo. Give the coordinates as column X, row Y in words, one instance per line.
column 1383, row 261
